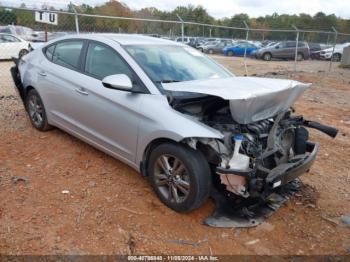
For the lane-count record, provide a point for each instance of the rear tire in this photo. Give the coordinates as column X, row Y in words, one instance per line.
column 210, row 51
column 336, row 57
column 36, row 111
column 300, row 57
column 180, row 176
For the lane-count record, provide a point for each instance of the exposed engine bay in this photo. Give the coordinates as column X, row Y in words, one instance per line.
column 254, row 159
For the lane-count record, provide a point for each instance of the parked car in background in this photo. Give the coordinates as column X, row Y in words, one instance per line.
column 23, row 32
column 239, row 49
column 267, row 43
column 284, row 50
column 203, row 43
column 216, row 47
column 326, row 54
column 186, row 40
column 315, row 49
column 50, row 36
column 12, row 46
column 256, row 43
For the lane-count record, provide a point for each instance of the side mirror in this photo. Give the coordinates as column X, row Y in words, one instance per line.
column 119, row 82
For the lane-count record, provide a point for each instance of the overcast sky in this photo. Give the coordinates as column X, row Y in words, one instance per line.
column 224, row 8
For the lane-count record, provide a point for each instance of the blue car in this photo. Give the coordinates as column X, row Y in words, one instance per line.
column 238, row 50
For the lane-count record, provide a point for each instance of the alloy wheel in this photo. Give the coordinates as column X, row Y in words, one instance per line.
column 35, row 110
column 171, row 178
column 267, row 57
column 22, row 53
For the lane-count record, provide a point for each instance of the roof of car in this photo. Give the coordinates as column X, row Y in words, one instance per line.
column 127, row 39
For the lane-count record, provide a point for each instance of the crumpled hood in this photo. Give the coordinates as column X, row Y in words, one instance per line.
column 251, row 98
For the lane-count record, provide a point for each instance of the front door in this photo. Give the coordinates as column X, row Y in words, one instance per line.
column 110, row 116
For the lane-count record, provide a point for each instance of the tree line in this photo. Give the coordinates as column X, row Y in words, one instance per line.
column 190, row 13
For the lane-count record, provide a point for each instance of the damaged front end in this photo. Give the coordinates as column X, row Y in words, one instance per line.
column 256, row 165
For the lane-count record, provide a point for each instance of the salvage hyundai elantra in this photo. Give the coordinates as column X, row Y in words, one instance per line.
column 179, row 118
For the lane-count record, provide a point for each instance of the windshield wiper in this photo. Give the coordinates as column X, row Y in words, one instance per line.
column 164, row 81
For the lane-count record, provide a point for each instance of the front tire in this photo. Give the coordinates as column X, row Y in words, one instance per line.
column 230, row 53
column 22, row 53
column 336, row 57
column 267, row 56
column 180, row 176
column 36, row 111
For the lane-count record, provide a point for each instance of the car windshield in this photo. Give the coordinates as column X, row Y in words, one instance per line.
column 171, row 63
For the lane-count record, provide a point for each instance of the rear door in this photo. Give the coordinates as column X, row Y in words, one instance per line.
column 58, row 75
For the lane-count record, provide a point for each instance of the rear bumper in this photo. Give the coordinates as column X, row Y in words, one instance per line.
column 17, row 80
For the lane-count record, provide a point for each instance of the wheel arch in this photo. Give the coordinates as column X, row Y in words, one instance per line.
column 27, row 89
column 148, row 149
column 184, row 141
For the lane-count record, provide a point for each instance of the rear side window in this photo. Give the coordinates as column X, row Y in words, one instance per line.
column 67, row 54
column 102, row 61
column 49, row 52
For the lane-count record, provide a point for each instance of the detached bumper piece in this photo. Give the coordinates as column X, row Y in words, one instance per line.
column 227, row 215
column 280, row 185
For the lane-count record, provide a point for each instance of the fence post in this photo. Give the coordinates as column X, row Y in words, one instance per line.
column 335, row 42
column 245, row 48
column 296, row 48
column 76, row 20
column 327, row 39
column 182, row 28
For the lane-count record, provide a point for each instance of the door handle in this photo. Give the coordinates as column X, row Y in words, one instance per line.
column 81, row 91
column 42, row 73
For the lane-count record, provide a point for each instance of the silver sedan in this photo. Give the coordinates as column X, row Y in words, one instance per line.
column 171, row 113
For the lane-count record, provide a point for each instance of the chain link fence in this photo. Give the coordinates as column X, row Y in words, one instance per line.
column 19, row 30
